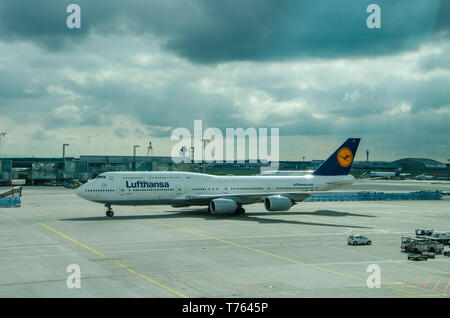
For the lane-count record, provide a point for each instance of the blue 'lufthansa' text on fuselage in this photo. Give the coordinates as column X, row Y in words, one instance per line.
column 145, row 184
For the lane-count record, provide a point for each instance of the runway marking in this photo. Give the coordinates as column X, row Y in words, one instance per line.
column 446, row 287
column 437, row 283
column 256, row 250
column 424, row 286
column 174, row 240
column 426, row 283
column 113, row 261
column 412, row 294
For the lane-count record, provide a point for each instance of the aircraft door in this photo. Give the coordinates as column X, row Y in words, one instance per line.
column 178, row 189
column 123, row 190
column 121, row 187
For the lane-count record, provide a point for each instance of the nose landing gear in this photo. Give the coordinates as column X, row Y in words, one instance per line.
column 109, row 212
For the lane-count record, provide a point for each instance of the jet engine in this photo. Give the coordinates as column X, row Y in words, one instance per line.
column 277, row 203
column 223, row 206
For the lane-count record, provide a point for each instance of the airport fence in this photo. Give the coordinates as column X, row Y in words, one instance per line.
column 10, row 202
column 374, row 196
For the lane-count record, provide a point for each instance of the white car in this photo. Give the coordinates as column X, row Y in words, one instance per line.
column 356, row 239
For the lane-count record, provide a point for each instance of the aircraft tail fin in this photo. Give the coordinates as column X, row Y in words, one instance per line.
column 340, row 162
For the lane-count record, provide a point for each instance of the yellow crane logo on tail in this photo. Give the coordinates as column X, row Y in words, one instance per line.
column 345, row 157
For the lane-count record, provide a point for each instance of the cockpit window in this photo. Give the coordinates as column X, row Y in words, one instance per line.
column 101, row 177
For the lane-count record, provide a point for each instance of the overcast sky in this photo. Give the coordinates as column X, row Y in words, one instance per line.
column 138, row 69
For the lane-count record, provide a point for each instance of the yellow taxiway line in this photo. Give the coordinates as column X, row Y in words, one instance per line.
column 113, row 261
column 409, row 293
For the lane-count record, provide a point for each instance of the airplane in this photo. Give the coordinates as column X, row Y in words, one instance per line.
column 222, row 194
column 387, row 174
column 424, row 176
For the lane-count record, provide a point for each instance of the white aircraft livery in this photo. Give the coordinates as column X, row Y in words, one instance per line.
column 287, row 173
column 222, row 194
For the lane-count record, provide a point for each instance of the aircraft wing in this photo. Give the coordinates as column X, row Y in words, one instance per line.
column 247, row 198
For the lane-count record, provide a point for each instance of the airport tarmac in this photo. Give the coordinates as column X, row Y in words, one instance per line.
column 160, row 251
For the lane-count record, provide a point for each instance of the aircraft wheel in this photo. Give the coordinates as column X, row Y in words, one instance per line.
column 109, row 213
column 240, row 211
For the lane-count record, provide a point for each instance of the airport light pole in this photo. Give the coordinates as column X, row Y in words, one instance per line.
column 64, row 150
column 134, row 156
column 3, row 134
column 192, row 154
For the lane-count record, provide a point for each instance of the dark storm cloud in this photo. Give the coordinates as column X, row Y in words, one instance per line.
column 216, row 31
column 174, row 105
column 87, row 98
column 255, row 30
column 118, row 76
column 42, row 22
column 443, row 21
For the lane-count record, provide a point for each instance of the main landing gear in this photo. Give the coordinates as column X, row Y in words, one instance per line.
column 240, row 210
column 109, row 212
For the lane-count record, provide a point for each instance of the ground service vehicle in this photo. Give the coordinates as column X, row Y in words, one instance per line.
column 421, row 245
column 424, row 232
column 442, row 237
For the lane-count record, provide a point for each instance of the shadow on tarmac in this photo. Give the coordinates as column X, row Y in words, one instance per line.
column 251, row 217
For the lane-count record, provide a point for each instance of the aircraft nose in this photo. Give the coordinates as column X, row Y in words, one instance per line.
column 79, row 190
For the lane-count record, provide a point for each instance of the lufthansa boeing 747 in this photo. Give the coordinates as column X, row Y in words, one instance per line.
column 222, row 194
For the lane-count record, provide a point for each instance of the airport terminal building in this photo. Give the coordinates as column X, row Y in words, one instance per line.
column 51, row 171
column 42, row 171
